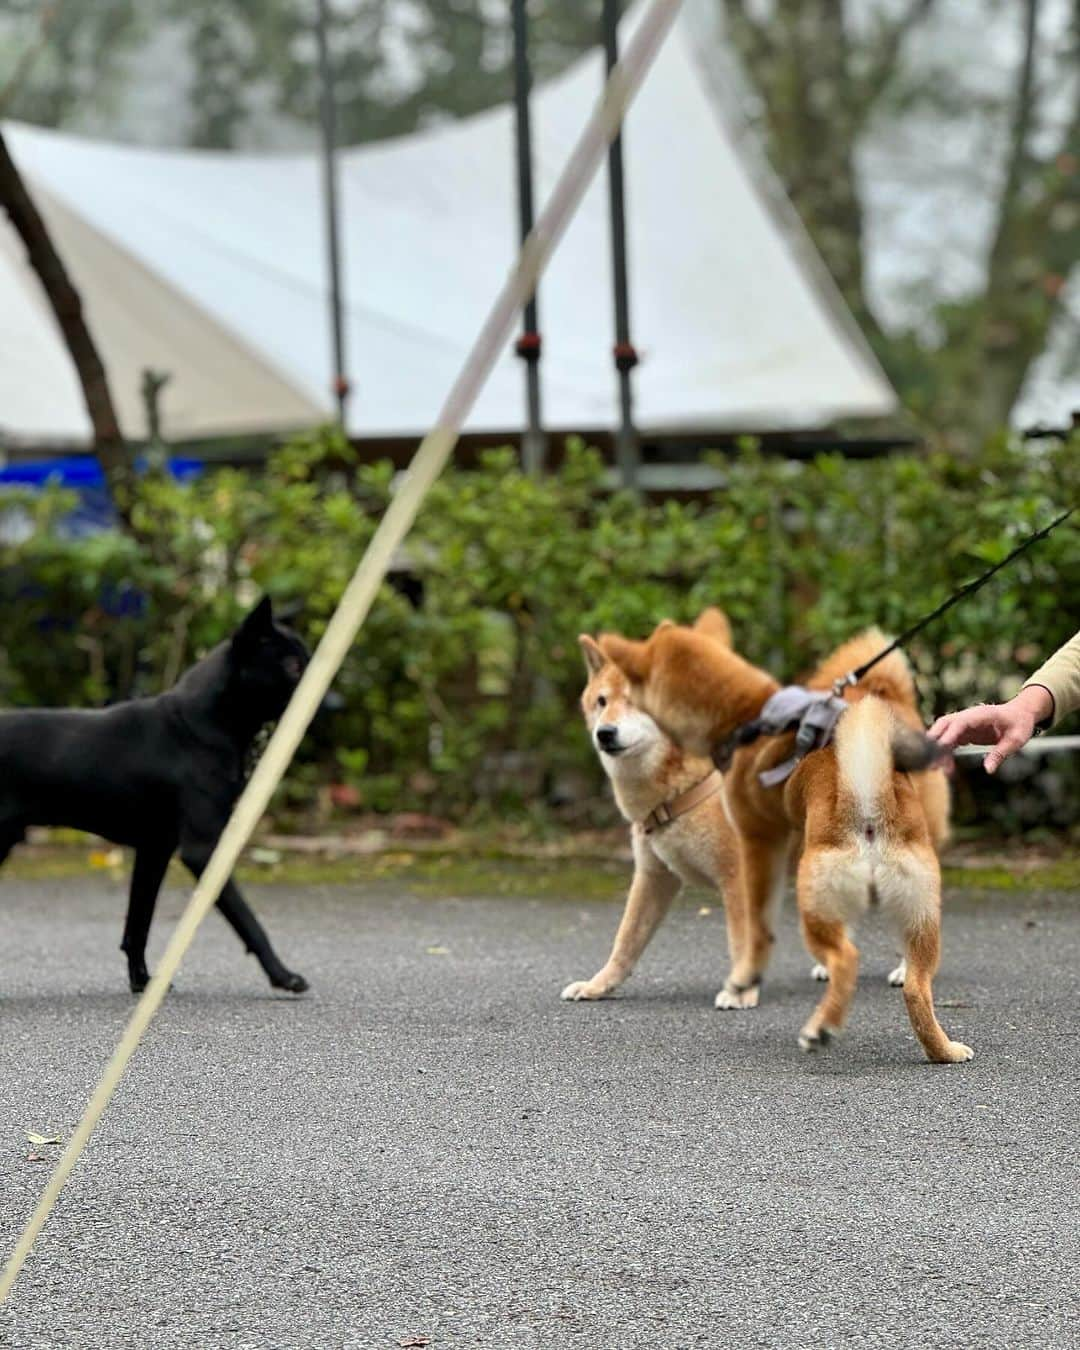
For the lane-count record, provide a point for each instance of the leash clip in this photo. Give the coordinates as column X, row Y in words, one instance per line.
column 844, row 682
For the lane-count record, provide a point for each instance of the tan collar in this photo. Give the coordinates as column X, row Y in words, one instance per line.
column 684, row 802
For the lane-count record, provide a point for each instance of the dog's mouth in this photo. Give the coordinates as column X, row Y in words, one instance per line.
column 619, row 748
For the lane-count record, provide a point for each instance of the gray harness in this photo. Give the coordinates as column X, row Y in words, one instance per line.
column 811, row 713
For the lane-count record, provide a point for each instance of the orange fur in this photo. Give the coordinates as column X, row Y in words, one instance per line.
column 862, row 830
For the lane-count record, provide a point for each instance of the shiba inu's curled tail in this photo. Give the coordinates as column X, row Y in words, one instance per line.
column 871, row 743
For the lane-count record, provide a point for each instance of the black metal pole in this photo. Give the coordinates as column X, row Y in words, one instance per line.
column 627, row 446
column 533, row 442
column 328, row 118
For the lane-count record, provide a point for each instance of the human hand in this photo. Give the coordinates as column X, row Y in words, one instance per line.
column 1004, row 726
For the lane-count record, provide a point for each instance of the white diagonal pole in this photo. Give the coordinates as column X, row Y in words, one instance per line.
column 357, row 599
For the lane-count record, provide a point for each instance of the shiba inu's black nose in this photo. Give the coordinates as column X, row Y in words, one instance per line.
column 607, row 737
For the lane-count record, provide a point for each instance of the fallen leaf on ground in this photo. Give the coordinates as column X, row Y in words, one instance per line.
column 413, row 1341
column 36, row 1157
column 705, row 909
column 266, row 857
column 438, row 951
column 100, row 857
column 40, row 1139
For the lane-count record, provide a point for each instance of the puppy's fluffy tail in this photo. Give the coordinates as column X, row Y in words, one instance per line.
column 871, row 743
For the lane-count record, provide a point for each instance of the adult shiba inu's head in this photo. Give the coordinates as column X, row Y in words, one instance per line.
column 618, row 724
column 617, row 727
column 691, row 681
column 614, row 713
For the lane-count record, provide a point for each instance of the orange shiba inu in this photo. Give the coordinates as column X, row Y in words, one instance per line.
column 865, row 830
column 679, row 826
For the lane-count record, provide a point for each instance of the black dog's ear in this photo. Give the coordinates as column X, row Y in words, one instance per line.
column 263, row 613
column 258, row 623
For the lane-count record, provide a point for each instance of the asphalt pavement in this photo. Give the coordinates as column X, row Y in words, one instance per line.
column 431, row 1149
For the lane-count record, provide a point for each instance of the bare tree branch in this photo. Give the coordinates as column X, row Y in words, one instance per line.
column 752, row 36
column 109, row 446
column 877, row 77
column 1023, row 107
column 26, row 62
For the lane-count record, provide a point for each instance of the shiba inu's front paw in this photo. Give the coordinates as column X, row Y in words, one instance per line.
column 737, row 996
column 955, row 1052
column 818, row 971
column 585, row 991
column 898, row 976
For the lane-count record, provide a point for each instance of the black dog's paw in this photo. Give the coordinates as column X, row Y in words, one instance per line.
column 139, row 982
column 295, row 984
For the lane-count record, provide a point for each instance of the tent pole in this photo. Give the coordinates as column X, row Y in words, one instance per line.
column 627, row 445
column 328, row 119
column 533, row 442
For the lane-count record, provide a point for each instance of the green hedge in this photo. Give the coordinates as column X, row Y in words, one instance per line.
column 468, row 702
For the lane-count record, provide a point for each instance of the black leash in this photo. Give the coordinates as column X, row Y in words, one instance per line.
column 854, row 676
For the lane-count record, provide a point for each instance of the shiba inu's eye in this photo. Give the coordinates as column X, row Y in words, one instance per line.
column 601, row 701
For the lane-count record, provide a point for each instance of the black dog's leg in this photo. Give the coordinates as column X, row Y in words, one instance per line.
column 12, row 832
column 147, row 875
column 236, row 911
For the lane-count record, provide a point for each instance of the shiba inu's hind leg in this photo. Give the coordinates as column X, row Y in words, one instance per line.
column 828, row 942
column 651, row 893
column 741, row 989
column 923, row 945
column 753, row 898
column 909, row 886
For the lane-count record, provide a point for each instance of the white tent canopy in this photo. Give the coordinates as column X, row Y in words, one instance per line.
column 211, row 266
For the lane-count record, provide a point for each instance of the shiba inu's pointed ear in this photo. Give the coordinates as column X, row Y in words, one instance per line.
column 713, row 623
column 594, row 657
column 257, row 623
column 632, row 658
column 664, row 623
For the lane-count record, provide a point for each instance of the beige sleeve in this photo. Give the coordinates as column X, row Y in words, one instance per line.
column 1061, row 675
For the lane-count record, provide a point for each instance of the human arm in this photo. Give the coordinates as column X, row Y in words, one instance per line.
column 1006, row 727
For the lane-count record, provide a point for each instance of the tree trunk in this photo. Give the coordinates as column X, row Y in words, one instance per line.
column 109, row 446
column 1036, row 242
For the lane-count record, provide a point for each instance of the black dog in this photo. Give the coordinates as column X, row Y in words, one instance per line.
column 158, row 774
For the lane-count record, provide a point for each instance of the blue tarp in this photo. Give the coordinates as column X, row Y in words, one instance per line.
column 80, row 471
column 82, row 474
